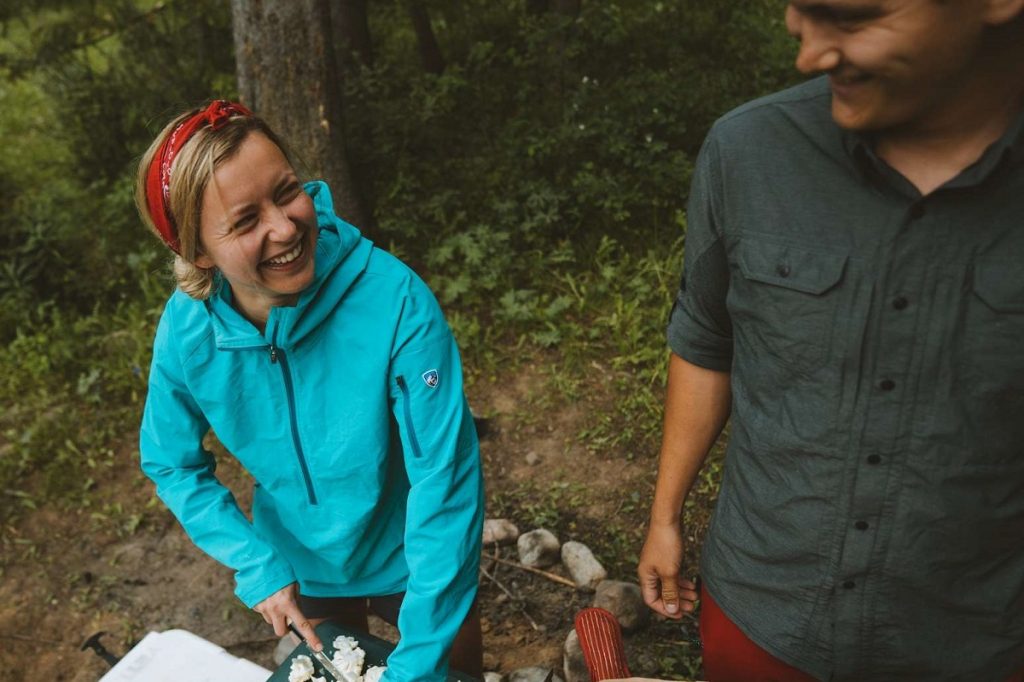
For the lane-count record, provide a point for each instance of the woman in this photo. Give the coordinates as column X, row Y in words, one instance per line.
column 326, row 367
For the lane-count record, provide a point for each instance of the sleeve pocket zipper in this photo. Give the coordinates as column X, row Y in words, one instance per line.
column 407, row 415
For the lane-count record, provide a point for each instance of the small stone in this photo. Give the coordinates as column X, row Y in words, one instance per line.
column 538, row 548
column 493, row 677
column 501, row 598
column 534, row 673
column 499, row 531
column 624, row 601
column 573, row 664
column 532, row 458
column 285, row 646
column 583, row 566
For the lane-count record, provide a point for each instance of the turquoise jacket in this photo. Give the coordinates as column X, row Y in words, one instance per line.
column 349, row 414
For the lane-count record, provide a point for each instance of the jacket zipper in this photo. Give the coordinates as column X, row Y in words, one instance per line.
column 407, row 413
column 277, row 356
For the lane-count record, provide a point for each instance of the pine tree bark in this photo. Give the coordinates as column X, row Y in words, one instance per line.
column 430, row 52
column 287, row 73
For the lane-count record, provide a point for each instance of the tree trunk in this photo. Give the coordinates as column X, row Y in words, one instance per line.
column 430, row 53
column 352, row 30
column 570, row 8
column 536, row 7
column 288, row 75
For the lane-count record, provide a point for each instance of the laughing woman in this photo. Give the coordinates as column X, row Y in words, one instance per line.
column 326, row 368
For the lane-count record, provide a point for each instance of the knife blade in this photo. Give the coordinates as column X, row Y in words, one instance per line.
column 320, row 657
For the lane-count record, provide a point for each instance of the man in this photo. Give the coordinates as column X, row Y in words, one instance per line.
column 853, row 295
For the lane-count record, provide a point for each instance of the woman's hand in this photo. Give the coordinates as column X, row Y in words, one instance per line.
column 281, row 608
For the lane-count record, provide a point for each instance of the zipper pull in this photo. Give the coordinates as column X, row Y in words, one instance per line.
column 273, row 354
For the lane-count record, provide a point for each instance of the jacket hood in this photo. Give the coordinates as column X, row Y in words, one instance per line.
column 341, row 257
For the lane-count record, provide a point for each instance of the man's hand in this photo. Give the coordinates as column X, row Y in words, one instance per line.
column 281, row 608
column 660, row 560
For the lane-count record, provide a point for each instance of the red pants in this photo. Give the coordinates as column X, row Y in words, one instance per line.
column 730, row 657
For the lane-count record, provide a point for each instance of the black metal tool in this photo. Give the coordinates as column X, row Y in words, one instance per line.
column 96, row 645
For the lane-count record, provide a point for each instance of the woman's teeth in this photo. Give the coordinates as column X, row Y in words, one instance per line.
column 288, row 257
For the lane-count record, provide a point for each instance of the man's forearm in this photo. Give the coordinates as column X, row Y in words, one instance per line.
column 697, row 405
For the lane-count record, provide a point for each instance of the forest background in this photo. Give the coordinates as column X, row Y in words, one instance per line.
column 529, row 158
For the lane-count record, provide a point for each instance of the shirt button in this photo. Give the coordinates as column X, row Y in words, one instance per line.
column 861, row 525
column 899, row 303
column 874, row 459
column 783, row 270
column 887, row 384
column 849, row 585
column 917, row 211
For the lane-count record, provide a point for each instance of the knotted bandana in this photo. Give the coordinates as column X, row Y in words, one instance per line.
column 158, row 177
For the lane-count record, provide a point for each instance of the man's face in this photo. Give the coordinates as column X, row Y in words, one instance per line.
column 892, row 64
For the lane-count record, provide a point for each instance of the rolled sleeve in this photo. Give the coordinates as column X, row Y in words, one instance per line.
column 700, row 329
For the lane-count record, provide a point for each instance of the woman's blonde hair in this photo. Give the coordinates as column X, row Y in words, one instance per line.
column 193, row 167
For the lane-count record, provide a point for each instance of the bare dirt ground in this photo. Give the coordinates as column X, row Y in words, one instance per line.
column 124, row 566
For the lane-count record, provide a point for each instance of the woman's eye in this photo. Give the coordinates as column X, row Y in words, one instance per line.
column 289, row 192
column 245, row 222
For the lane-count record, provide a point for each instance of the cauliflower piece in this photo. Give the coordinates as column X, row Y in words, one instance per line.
column 301, row 670
column 374, row 672
column 348, row 656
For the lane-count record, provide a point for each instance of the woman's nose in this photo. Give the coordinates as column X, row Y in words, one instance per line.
column 282, row 227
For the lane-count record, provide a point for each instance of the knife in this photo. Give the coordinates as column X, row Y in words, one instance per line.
column 320, row 657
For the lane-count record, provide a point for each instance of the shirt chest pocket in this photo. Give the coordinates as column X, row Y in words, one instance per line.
column 992, row 368
column 784, row 304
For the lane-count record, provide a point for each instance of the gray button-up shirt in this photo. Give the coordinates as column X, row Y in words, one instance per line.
column 870, row 524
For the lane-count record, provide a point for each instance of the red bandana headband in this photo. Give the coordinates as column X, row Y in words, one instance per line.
column 158, row 178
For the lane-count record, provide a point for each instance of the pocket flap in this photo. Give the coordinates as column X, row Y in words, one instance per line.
column 1000, row 284
column 791, row 267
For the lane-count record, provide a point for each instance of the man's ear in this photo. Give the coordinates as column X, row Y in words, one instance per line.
column 998, row 12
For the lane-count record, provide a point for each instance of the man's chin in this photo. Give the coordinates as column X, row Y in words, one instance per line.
column 854, row 119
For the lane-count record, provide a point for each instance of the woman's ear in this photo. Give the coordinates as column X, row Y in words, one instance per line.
column 203, row 261
column 998, row 12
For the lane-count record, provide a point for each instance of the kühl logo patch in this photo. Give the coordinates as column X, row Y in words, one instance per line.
column 430, row 378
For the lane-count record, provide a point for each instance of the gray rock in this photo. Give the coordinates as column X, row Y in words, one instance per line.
column 534, row 673
column 624, row 601
column 583, row 566
column 538, row 548
column 532, row 458
column 499, row 531
column 493, row 677
column 285, row 646
column 573, row 664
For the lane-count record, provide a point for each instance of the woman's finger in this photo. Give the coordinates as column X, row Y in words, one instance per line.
column 306, row 629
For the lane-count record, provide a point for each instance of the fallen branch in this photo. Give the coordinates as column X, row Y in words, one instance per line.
column 550, row 576
column 515, row 600
column 33, row 640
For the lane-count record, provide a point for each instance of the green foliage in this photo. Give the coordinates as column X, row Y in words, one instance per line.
column 80, row 281
column 79, row 98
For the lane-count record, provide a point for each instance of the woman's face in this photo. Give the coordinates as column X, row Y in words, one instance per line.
column 258, row 227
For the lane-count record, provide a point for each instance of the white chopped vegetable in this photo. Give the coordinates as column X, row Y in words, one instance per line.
column 348, row 659
column 301, row 670
column 374, row 672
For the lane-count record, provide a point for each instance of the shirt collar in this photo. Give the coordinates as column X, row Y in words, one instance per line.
column 1008, row 149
